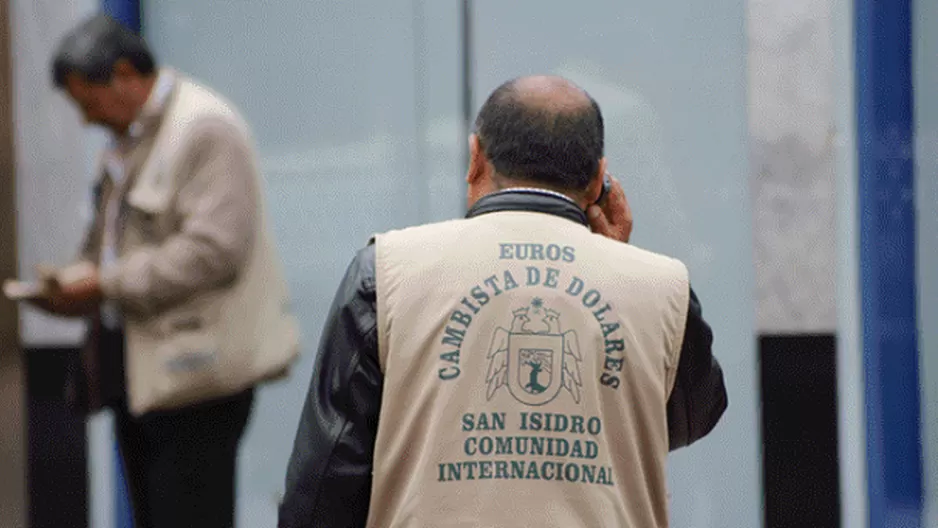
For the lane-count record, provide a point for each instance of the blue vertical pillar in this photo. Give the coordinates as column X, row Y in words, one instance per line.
column 125, row 11
column 128, row 13
column 886, row 167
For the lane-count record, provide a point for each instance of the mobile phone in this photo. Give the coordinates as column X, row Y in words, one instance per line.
column 607, row 184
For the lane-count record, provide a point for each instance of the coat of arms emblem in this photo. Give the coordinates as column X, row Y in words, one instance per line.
column 534, row 358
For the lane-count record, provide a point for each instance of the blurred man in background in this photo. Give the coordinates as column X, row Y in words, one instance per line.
column 178, row 274
column 511, row 368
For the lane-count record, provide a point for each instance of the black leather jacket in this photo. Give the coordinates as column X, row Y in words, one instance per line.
column 328, row 481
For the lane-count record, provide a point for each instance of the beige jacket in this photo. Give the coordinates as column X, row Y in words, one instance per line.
column 527, row 367
column 199, row 281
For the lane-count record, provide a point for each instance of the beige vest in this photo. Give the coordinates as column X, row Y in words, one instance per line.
column 527, row 364
column 246, row 332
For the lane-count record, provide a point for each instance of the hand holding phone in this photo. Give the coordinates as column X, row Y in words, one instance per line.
column 604, row 191
column 611, row 215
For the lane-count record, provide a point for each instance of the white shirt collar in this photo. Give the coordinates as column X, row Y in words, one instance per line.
column 536, row 190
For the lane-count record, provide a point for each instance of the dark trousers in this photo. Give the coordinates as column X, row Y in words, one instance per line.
column 181, row 464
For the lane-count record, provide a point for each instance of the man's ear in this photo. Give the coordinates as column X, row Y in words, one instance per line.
column 595, row 188
column 478, row 165
column 123, row 69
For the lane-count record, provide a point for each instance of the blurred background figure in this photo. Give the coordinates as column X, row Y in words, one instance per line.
column 178, row 274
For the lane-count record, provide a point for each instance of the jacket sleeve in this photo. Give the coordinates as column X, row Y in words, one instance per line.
column 329, row 473
column 698, row 399
column 217, row 208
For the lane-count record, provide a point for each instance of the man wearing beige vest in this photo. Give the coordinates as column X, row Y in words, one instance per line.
column 513, row 368
column 178, row 275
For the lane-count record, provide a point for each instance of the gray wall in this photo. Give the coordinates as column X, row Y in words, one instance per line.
column 851, row 424
column 793, row 97
column 925, row 64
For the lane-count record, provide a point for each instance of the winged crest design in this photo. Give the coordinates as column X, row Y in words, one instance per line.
column 534, row 357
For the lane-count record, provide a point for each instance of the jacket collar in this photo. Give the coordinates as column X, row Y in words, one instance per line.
column 533, row 200
column 155, row 105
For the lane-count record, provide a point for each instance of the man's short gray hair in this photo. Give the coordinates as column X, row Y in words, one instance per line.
column 92, row 49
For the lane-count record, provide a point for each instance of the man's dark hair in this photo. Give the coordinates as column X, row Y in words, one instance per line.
column 559, row 146
column 92, row 49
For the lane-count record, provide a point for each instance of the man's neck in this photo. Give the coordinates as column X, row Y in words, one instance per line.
column 141, row 96
column 510, row 185
column 148, row 84
column 147, row 88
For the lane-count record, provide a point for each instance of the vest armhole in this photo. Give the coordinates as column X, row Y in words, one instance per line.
column 381, row 303
column 682, row 298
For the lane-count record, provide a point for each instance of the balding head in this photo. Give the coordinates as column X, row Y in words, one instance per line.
column 549, row 94
column 543, row 131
